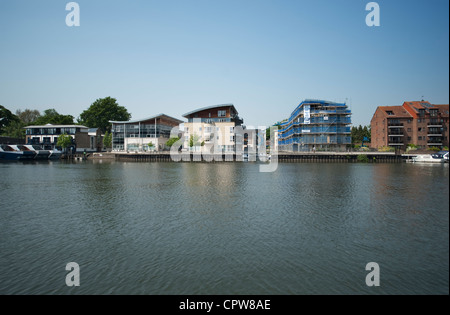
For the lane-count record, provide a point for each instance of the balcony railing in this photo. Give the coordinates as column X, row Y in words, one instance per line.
column 434, row 124
column 395, row 134
column 395, row 125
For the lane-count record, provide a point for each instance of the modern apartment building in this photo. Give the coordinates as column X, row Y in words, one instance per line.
column 316, row 125
column 420, row 123
column 83, row 138
column 149, row 134
column 212, row 129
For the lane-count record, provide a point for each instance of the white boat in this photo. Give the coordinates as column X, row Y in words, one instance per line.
column 439, row 157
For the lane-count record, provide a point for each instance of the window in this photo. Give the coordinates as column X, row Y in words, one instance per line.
column 222, row 113
column 420, row 137
column 207, row 129
column 409, row 129
column 232, row 138
column 420, row 129
column 390, row 113
column 409, row 138
column 409, row 121
column 231, row 129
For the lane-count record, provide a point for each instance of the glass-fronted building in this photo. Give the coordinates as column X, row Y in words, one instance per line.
column 149, row 134
column 316, row 125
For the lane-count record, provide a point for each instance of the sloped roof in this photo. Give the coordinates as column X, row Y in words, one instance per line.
column 145, row 119
column 397, row 111
column 210, row 107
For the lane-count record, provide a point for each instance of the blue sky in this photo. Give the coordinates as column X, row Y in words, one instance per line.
column 264, row 56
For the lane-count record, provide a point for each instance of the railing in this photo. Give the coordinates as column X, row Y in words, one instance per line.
column 395, row 134
column 395, row 125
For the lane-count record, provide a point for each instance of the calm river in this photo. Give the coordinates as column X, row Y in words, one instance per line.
column 202, row 228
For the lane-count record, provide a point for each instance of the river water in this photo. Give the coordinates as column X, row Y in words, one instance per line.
column 223, row 228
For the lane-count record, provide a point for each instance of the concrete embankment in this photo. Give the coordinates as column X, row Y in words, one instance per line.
column 320, row 157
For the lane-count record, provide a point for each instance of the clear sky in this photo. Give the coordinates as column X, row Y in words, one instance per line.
column 264, row 56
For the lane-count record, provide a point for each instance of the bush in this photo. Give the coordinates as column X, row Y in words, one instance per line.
column 411, row 147
column 434, row 149
column 362, row 158
column 386, row 149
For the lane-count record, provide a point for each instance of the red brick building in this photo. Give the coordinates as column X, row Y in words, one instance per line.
column 421, row 123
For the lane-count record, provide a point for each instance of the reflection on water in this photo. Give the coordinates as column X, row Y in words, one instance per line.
column 204, row 228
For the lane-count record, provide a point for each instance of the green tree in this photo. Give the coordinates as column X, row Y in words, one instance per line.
column 107, row 140
column 268, row 130
column 64, row 141
column 51, row 116
column 6, row 118
column 194, row 141
column 359, row 133
column 172, row 141
column 101, row 112
column 14, row 130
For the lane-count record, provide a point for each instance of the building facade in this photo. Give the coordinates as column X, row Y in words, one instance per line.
column 212, row 129
column 420, row 123
column 149, row 134
column 316, row 125
column 83, row 138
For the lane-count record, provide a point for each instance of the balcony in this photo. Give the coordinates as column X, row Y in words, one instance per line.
column 395, row 125
column 434, row 124
column 392, row 133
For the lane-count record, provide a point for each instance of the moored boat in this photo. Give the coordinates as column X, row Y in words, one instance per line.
column 439, row 157
column 40, row 154
column 13, row 153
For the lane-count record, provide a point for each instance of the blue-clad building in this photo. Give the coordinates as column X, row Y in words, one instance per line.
column 316, row 125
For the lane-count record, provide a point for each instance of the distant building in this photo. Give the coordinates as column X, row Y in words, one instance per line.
column 211, row 129
column 83, row 138
column 316, row 125
column 420, row 123
column 138, row 134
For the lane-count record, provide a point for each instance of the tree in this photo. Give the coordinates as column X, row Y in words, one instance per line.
column 101, row 112
column 6, row 118
column 64, row 141
column 28, row 116
column 359, row 133
column 172, row 141
column 107, row 140
column 14, row 130
column 194, row 141
column 277, row 125
column 51, row 116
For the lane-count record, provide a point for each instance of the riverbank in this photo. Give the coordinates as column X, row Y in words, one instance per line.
column 307, row 157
